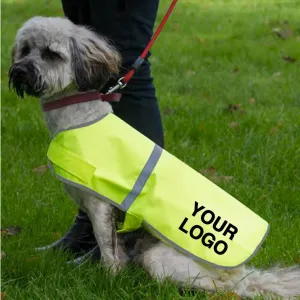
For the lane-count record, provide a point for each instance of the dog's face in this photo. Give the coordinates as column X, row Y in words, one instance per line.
column 51, row 54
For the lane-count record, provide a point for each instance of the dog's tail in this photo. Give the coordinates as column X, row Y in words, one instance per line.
column 164, row 262
column 282, row 282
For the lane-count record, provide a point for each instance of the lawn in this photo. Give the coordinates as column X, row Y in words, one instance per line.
column 229, row 92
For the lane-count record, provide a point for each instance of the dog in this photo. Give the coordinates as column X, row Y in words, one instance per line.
column 54, row 58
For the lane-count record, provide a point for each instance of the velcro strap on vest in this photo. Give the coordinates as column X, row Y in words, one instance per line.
column 70, row 162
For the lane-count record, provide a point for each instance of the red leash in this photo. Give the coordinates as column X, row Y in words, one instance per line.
column 122, row 82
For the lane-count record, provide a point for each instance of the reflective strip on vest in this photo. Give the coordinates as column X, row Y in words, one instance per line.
column 179, row 206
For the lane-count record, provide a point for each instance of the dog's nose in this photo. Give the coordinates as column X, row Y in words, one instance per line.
column 21, row 69
column 24, row 77
column 18, row 69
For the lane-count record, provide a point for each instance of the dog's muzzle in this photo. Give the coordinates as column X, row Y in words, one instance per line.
column 24, row 77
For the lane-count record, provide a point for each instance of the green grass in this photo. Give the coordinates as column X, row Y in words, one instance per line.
column 211, row 54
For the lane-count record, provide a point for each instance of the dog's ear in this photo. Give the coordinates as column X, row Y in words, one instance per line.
column 94, row 61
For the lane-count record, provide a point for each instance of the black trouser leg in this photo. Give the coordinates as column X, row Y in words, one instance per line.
column 129, row 24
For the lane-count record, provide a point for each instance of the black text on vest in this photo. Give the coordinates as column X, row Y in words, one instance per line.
column 208, row 239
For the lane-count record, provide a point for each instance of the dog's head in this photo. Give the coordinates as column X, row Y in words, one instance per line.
column 51, row 54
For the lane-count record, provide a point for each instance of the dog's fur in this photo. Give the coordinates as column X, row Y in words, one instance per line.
column 53, row 58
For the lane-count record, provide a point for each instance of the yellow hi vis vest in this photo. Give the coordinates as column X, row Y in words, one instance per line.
column 182, row 208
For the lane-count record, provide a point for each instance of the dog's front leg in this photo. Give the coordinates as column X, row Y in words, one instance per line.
column 102, row 216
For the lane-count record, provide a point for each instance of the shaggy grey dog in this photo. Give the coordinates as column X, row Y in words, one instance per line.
column 54, row 58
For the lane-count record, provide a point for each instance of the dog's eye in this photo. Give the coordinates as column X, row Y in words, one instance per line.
column 25, row 50
column 49, row 54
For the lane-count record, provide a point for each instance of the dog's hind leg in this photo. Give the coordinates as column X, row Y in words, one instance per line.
column 164, row 262
column 102, row 216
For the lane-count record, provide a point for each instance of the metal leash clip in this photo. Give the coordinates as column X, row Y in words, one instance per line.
column 119, row 85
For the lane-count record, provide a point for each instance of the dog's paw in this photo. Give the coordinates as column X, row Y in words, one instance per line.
column 113, row 267
column 113, row 264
